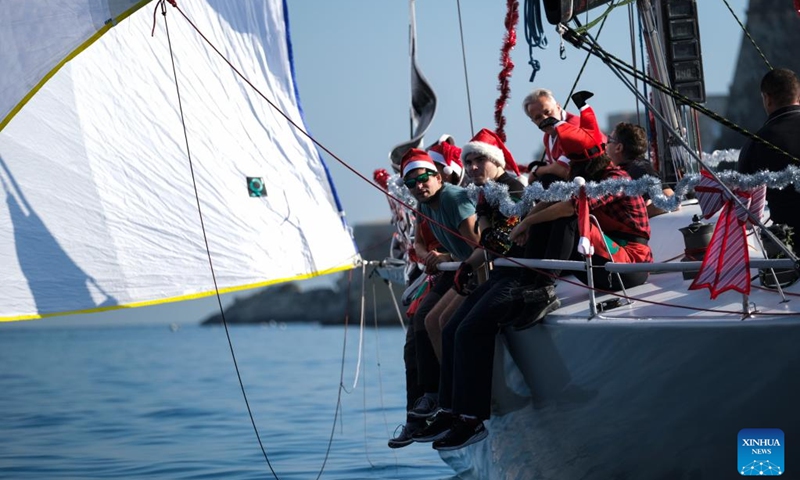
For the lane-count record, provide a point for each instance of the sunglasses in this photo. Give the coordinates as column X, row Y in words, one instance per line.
column 412, row 182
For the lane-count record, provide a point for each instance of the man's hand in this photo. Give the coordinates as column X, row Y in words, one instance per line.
column 519, row 234
column 580, row 98
column 547, row 122
column 432, row 260
column 462, row 279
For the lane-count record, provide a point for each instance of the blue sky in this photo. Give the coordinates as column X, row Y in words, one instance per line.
column 351, row 61
column 352, row 66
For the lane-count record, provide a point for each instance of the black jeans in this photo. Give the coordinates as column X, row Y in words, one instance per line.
column 558, row 240
column 422, row 366
column 468, row 340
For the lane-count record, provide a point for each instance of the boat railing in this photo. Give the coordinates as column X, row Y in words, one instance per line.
column 544, row 264
column 619, row 268
column 691, row 266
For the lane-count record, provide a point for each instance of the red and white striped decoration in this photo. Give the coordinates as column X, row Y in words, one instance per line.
column 727, row 263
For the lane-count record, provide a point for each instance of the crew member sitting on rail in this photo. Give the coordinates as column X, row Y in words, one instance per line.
column 468, row 338
column 550, row 229
column 422, row 367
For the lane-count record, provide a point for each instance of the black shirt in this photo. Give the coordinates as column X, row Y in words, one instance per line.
column 496, row 237
column 782, row 129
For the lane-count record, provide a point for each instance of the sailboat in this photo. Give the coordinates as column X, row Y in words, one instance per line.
column 658, row 381
column 140, row 168
column 153, row 152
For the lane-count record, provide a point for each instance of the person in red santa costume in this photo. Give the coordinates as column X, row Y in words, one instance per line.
column 550, row 229
column 542, row 108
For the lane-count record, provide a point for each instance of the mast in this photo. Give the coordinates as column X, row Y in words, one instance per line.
column 423, row 99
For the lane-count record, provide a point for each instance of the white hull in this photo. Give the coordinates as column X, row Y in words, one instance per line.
column 643, row 392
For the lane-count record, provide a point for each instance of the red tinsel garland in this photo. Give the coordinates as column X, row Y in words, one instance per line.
column 510, row 40
column 381, row 177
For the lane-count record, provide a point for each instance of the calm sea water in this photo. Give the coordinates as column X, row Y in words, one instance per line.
column 134, row 402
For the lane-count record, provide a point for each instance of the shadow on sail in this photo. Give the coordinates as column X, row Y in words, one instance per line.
column 54, row 279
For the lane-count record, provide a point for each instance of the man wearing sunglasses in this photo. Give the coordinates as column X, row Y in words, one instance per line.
column 450, row 215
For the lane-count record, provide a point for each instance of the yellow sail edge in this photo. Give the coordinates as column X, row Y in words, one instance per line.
column 193, row 296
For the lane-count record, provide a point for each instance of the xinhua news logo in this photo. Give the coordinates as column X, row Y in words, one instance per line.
column 761, row 452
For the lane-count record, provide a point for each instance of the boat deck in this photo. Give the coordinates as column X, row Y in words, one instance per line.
column 666, row 295
column 648, row 390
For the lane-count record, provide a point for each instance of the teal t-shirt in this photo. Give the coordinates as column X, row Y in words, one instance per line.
column 454, row 207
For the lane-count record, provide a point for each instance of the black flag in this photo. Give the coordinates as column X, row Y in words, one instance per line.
column 423, row 102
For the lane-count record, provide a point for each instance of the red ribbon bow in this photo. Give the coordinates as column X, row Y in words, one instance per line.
column 727, row 262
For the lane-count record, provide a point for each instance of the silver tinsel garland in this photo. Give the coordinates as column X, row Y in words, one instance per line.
column 398, row 190
column 497, row 194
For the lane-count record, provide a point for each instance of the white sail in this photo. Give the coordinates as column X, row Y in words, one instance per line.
column 100, row 209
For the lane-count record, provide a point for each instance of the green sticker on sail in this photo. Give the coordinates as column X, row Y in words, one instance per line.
column 255, row 187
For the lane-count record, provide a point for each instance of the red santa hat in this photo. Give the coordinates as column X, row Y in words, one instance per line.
column 448, row 155
column 487, row 143
column 583, row 142
column 416, row 158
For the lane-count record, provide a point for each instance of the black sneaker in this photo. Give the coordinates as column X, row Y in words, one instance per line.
column 510, row 298
column 464, row 432
column 437, row 427
column 403, row 438
column 538, row 303
column 423, row 409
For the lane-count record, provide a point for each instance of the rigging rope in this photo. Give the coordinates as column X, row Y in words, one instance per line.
column 162, row 5
column 747, row 33
column 645, row 94
column 378, row 357
column 586, row 43
column 396, row 306
column 341, row 375
column 364, row 392
column 585, row 62
column 534, row 34
column 361, row 328
column 464, row 61
column 631, row 34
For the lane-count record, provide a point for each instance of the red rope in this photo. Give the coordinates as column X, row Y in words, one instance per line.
column 509, row 41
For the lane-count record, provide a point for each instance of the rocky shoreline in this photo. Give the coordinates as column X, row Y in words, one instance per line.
column 289, row 302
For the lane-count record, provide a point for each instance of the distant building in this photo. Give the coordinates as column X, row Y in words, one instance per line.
column 775, row 28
